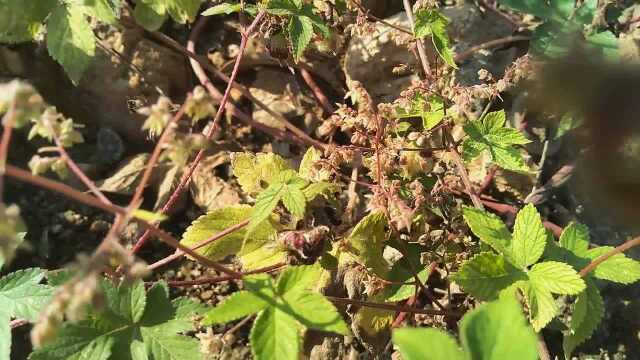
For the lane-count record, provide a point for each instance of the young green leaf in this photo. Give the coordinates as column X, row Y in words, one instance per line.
column 366, row 243
column 489, row 228
column 433, row 23
column 405, row 291
column 558, row 278
column 490, row 135
column 575, row 238
column 256, row 172
column 618, row 268
column 431, row 115
column 529, row 237
column 287, row 186
column 300, row 31
column 70, row 40
column 308, row 170
column 486, row 274
column 542, row 306
column 22, row 295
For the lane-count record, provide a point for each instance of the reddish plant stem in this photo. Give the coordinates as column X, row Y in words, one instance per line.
column 212, row 129
column 86, row 199
column 299, row 136
column 178, row 254
column 392, row 307
column 403, row 315
column 488, row 179
column 317, row 91
column 7, row 123
column 618, row 250
column 155, row 155
column 219, row 279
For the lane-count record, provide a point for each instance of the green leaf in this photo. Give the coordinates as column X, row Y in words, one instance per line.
column 134, row 326
column 435, row 114
column 575, row 238
column 150, row 16
column 588, row 311
column 70, row 41
column 256, row 258
column 295, row 201
column 433, row 23
column 107, row 11
column 427, row 344
column 286, row 187
column 236, row 306
column 22, row 295
column 126, row 301
column 256, row 172
column 314, row 311
column 498, row 330
column 224, row 8
column 542, row 306
column 300, row 31
column 489, row 134
column 486, row 274
column 307, row 169
column 489, row 228
column 22, row 20
column 529, row 237
column 365, row 244
column 234, row 243
column 298, row 278
column 508, row 159
column 618, row 268
column 77, row 342
column 275, row 335
column 558, row 278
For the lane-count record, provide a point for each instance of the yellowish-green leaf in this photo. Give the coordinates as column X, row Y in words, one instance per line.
column 256, row 172
column 365, row 244
column 234, row 243
column 149, row 216
column 529, row 237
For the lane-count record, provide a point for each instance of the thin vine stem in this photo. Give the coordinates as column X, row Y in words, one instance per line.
column 617, row 250
column 211, row 131
column 86, row 199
